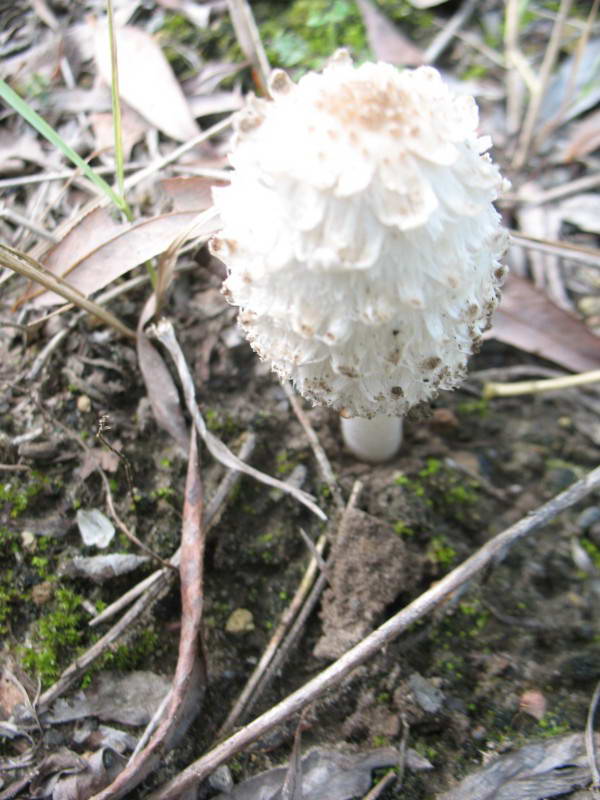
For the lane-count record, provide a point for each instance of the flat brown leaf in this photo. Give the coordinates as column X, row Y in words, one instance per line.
column 385, row 40
column 98, row 250
column 146, row 80
column 529, row 320
column 133, row 128
column 584, row 138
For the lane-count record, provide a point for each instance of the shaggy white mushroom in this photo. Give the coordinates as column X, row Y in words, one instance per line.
column 360, row 239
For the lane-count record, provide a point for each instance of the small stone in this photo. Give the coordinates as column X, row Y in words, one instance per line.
column 426, row 694
column 28, row 541
column 240, row 621
column 221, row 780
column 84, row 404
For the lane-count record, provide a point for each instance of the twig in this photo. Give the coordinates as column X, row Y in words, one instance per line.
column 585, row 255
column 314, row 442
column 590, row 745
column 491, row 552
column 569, row 90
column 164, row 332
column 535, row 101
column 514, row 82
column 213, row 514
column 284, row 623
column 279, row 658
column 557, row 192
column 449, row 31
column 190, row 674
column 537, row 387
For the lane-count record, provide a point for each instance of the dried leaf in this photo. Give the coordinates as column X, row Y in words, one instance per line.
column 103, row 568
column 189, row 193
column 130, row 699
column 161, row 388
column 529, row 320
column 326, row 775
column 101, row 768
column 584, row 95
column 133, row 128
column 584, row 138
column 385, row 40
column 146, row 80
column 583, row 211
column 537, row 771
column 98, row 249
column 96, row 530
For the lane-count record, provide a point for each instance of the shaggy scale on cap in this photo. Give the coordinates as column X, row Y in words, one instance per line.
column 359, row 234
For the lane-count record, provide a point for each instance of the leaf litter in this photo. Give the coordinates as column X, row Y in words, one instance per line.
column 98, row 250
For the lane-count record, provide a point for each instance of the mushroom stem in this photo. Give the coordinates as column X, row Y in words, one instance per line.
column 373, row 440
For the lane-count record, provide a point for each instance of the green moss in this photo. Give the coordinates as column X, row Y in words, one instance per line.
column 592, row 550
column 16, row 494
column 134, row 654
column 479, row 407
column 55, row 637
column 440, row 552
column 402, row 529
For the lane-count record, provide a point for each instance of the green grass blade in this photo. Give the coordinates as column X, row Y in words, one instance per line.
column 42, row 127
column 116, row 103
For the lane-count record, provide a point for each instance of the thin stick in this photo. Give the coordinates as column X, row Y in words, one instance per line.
column 537, row 387
column 536, row 99
column 449, row 31
column 491, row 552
column 313, row 439
column 164, row 332
column 284, row 623
column 585, row 255
column 589, row 740
column 213, row 514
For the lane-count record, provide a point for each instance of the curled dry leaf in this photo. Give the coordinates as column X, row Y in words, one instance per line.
column 584, row 138
column 146, row 80
column 385, row 40
column 527, row 319
column 538, row 771
column 98, row 249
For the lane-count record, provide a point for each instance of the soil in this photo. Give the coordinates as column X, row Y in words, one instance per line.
column 459, row 680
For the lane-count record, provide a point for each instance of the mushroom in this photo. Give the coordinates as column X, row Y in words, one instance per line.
column 360, row 239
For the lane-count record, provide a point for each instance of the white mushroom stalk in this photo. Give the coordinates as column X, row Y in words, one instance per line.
column 361, row 242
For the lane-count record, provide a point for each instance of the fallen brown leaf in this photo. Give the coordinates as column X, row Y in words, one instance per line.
column 529, row 320
column 98, row 250
column 146, row 80
column 385, row 40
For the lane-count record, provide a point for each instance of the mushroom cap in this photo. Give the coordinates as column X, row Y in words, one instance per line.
column 359, row 234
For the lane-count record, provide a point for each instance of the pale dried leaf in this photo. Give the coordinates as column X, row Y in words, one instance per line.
column 98, row 250
column 130, row 699
column 584, row 95
column 146, row 80
column 96, row 529
column 426, row 3
column 102, row 767
column 583, row 211
column 133, row 128
column 326, row 775
column 527, row 319
column 584, row 138
column 160, row 386
column 385, row 40
column 546, row 769
column 189, row 193
column 103, row 568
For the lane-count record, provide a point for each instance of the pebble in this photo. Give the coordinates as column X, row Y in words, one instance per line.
column 240, row 621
